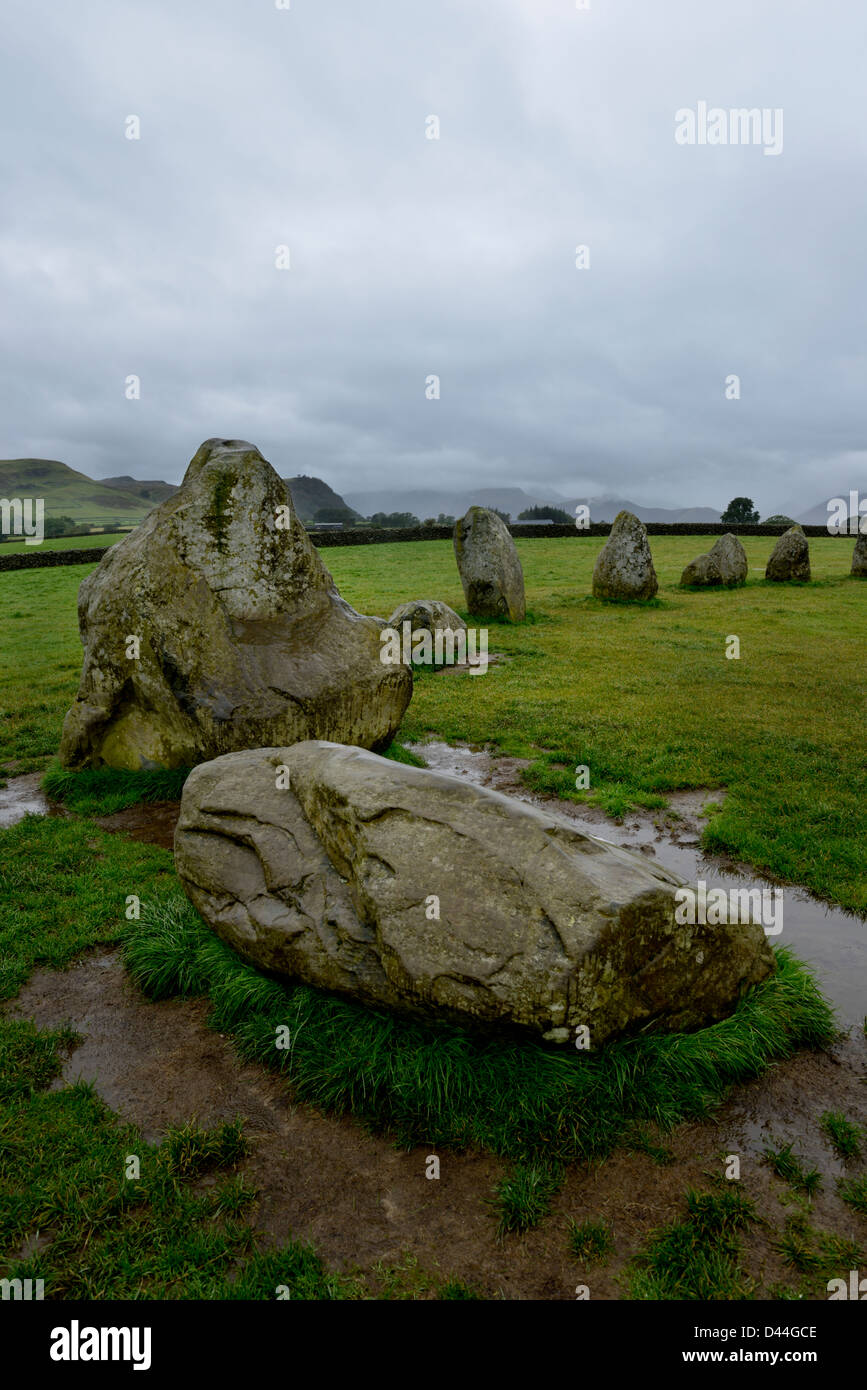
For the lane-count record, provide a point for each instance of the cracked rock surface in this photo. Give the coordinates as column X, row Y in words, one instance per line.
column 416, row 890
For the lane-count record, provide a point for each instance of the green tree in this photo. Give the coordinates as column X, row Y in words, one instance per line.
column 394, row 519
column 547, row 513
column 59, row 525
column 333, row 514
column 741, row 511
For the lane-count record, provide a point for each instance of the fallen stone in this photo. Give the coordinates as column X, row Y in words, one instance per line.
column 790, row 558
column 724, row 564
column 491, row 573
column 215, row 626
column 427, row 615
column 408, row 888
column 624, row 565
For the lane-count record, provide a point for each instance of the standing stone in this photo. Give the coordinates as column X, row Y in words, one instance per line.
column 859, row 556
column 215, row 626
column 724, row 564
column 489, row 566
column 407, row 888
column 790, row 558
column 624, row 565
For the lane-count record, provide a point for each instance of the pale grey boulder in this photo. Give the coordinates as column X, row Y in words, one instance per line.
column 427, row 615
column 491, row 573
column 859, row 557
column 407, row 888
column 624, row 565
column 725, row 565
column 243, row 638
column 790, row 558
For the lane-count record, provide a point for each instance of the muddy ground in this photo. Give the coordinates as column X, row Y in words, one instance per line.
column 361, row 1201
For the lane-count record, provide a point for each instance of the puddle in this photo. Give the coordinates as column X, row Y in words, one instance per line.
column 153, row 822
column 22, row 797
column 830, row 940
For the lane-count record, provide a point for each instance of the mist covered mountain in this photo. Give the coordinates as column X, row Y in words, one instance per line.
column 66, row 491
column 430, row 502
column 818, row 515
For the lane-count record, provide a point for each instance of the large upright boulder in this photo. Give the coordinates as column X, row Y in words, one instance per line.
column 624, row 565
column 216, row 626
column 725, row 565
column 790, row 557
column 408, row 888
column 859, row 556
column 489, row 567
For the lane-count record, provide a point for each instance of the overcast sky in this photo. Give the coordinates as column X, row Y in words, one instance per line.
column 306, row 127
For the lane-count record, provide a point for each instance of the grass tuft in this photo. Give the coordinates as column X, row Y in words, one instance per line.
column 817, row 1253
column 102, row 791
column 188, row 1151
column 399, row 753
column 854, row 1192
column 789, row 1167
column 697, row 1258
column 843, row 1134
column 524, row 1196
column 590, row 1240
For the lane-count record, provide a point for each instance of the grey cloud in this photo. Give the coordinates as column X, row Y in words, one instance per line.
column 456, row 257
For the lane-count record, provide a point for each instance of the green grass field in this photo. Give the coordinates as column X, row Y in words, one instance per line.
column 94, row 542
column 643, row 695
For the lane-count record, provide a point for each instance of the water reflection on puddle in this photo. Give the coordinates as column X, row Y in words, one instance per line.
column 834, row 942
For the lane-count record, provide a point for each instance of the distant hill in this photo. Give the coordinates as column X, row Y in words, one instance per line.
column 123, row 499
column 427, row 502
column 309, row 494
column 67, row 492
column 606, row 509
column 152, row 492
column 819, row 514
